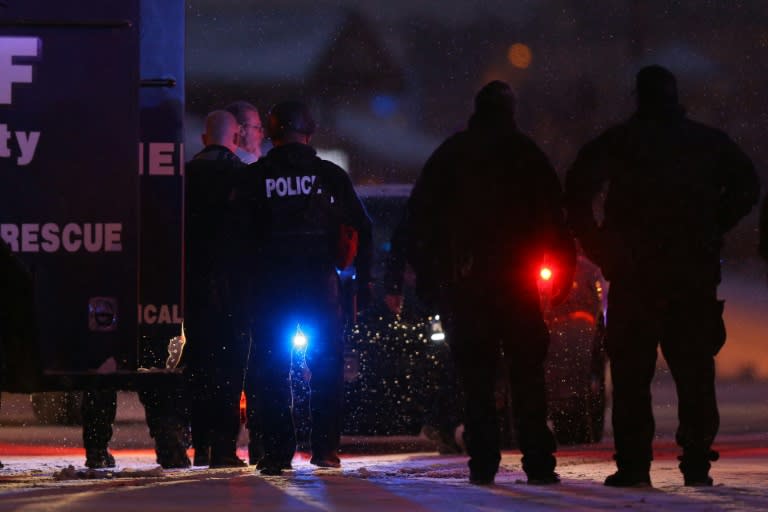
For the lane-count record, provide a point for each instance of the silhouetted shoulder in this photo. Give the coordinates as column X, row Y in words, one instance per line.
column 526, row 143
column 707, row 133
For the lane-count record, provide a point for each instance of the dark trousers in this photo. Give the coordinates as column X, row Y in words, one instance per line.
column 268, row 385
column 481, row 324
column 689, row 328
column 99, row 410
column 215, row 408
column 215, row 356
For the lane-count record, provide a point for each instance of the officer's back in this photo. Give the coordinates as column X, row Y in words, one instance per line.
column 210, row 178
column 292, row 203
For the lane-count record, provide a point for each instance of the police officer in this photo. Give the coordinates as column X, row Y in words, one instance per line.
column 484, row 214
column 216, row 341
column 675, row 187
column 294, row 205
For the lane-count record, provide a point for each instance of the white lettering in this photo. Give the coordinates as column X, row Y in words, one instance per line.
column 14, row 73
column 29, row 238
column 5, row 135
column 165, row 315
column 27, row 145
column 71, row 245
column 11, row 73
column 161, row 158
column 282, row 187
column 270, row 187
column 150, row 314
column 306, row 184
column 92, row 237
column 50, row 234
column 112, row 241
column 72, row 237
column 10, row 234
column 292, row 191
column 159, row 314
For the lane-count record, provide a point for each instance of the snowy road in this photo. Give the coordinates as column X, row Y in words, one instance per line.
column 401, row 482
column 391, row 481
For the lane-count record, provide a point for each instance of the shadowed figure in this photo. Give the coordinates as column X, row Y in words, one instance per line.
column 675, row 187
column 482, row 217
column 216, row 341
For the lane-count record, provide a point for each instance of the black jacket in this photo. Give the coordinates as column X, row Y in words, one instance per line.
column 208, row 224
column 674, row 188
column 290, row 198
column 487, row 208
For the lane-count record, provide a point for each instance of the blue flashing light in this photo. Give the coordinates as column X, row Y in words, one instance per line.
column 299, row 339
column 384, row 105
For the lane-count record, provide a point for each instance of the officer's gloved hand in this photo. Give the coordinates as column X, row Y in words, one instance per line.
column 364, row 293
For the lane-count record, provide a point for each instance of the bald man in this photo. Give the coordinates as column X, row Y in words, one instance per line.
column 215, row 348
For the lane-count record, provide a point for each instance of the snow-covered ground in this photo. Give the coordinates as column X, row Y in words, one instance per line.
column 397, row 482
column 36, row 475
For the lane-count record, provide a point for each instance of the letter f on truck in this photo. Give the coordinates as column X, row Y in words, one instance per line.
column 11, row 73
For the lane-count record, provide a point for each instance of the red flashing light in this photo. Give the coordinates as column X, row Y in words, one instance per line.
column 545, row 273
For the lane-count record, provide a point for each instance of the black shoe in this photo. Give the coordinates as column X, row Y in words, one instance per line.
column 626, row 478
column 697, row 480
column 202, row 457
column 695, row 468
column 328, row 461
column 544, row 478
column 231, row 461
column 477, row 479
column 262, row 464
column 99, row 459
column 270, row 471
column 173, row 459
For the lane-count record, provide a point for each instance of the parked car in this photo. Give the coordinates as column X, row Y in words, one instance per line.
column 393, row 362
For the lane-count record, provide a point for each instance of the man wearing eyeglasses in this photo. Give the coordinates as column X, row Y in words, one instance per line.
column 251, row 130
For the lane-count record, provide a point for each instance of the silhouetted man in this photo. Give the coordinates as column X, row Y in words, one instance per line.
column 484, row 214
column 216, row 335
column 674, row 188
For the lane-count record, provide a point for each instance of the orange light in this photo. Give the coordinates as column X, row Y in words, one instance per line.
column 545, row 273
column 519, row 55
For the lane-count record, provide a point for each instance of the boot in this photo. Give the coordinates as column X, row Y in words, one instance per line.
column 629, row 478
column 547, row 478
column 328, row 460
column 202, row 456
column 171, row 452
column 99, row 459
column 695, row 467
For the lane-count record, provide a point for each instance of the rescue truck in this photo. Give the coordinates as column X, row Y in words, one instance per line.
column 91, row 124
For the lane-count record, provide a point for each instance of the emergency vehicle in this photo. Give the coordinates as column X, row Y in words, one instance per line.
column 91, row 110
